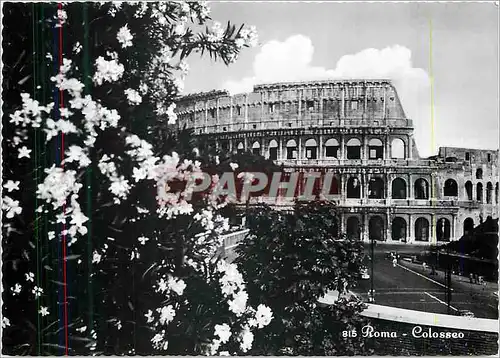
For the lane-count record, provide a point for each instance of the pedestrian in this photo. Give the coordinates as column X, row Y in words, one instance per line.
column 394, row 262
column 471, row 277
column 424, row 266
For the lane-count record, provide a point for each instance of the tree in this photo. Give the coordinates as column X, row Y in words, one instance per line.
column 100, row 220
column 290, row 260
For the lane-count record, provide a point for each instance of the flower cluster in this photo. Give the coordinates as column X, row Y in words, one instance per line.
column 124, row 37
column 86, row 118
column 107, row 71
column 133, row 97
column 233, row 288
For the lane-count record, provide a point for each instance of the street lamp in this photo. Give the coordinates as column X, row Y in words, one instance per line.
column 372, row 292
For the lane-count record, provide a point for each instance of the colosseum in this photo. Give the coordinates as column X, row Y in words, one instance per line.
column 358, row 130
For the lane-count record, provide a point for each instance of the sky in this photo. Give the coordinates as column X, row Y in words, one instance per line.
column 309, row 41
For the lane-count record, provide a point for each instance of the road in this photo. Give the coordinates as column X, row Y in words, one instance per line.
column 404, row 287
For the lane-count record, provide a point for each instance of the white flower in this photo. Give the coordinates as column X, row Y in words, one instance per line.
column 223, row 331
column 120, row 187
column 157, row 341
column 224, row 353
column 133, row 97
column 184, row 67
column 78, row 218
column 77, row 154
column 11, row 206
column 5, row 322
column 231, row 280
column 233, row 166
column 37, row 291
column 172, row 116
column 24, row 152
column 29, row 276
column 239, row 303
column 43, row 311
column 51, row 235
column 149, row 316
column 77, row 48
column 143, row 240
column 82, row 329
column 60, row 218
column 16, row 289
column 139, row 174
column 162, row 285
column 249, row 35
column 58, row 185
column 180, row 28
column 176, row 285
column 11, row 185
column 263, row 316
column 62, row 16
column 167, row 314
column 217, row 32
column 239, row 42
column 143, row 88
column 125, row 37
column 246, row 339
column 96, row 257
column 109, row 71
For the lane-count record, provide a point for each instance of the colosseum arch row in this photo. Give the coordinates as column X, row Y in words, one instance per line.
column 353, row 186
column 326, row 147
column 403, row 227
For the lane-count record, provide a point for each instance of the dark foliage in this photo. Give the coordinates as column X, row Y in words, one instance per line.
column 290, row 260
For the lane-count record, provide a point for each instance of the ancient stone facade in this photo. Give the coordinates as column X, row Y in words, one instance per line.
column 358, row 130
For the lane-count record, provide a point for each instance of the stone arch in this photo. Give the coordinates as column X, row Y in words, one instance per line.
column 398, row 188
column 256, row 148
column 311, row 149
column 422, row 229
column 332, row 148
column 479, row 192
column 376, row 228
column 375, row 149
column 353, row 148
column 398, row 229
column 354, row 188
column 421, row 189
column 353, row 227
column 489, row 192
column 450, row 188
column 468, row 190
column 291, row 149
column 443, row 229
column 468, row 226
column 224, row 145
column 398, row 150
column 240, row 147
column 376, row 188
column 273, row 149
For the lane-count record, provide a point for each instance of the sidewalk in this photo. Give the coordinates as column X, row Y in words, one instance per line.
column 462, row 281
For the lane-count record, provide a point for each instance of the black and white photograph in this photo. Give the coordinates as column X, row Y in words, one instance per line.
column 229, row 178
